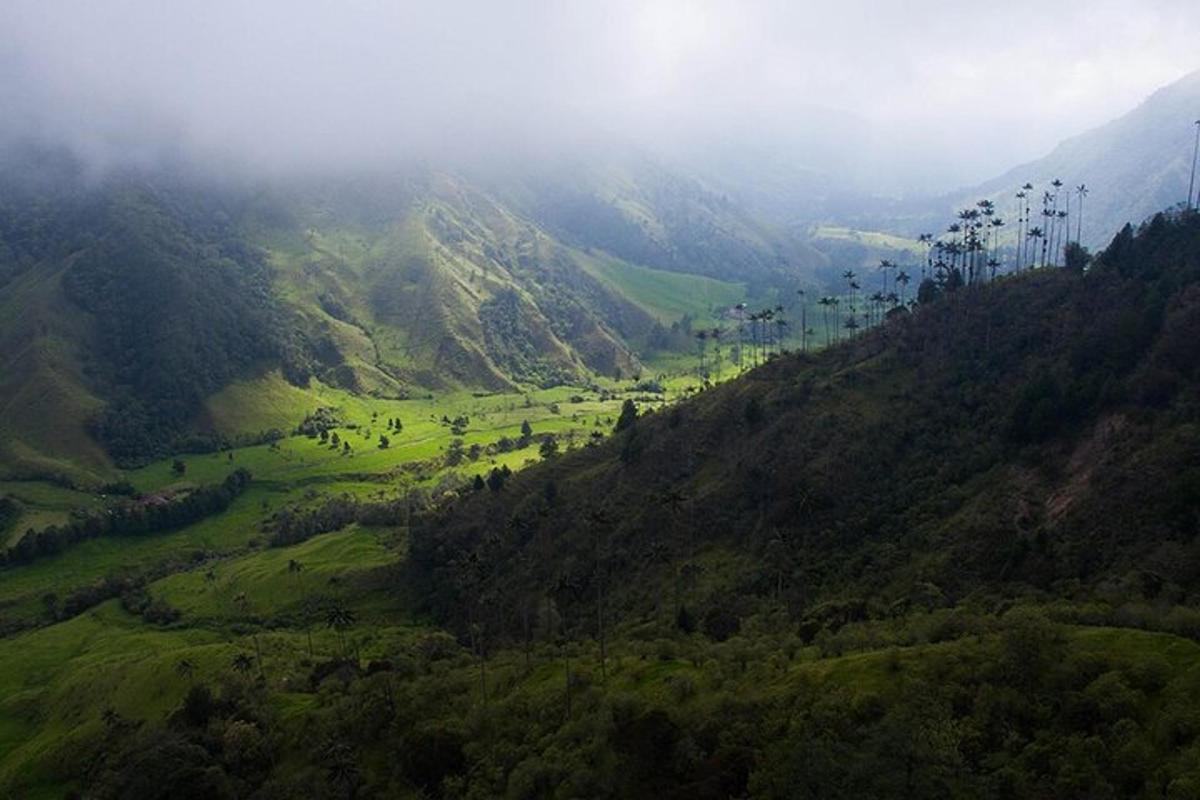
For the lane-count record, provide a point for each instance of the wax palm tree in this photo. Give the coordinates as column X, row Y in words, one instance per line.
column 715, row 334
column 242, row 663
column 185, row 668
column 902, row 279
column 740, row 313
column 952, row 247
column 987, row 213
column 849, row 277
column 1035, row 234
column 753, row 319
column 800, row 295
column 1029, row 257
column 1055, row 219
column 1048, row 219
column 1063, row 230
column 1022, row 198
column 997, row 223
column 966, row 221
column 877, row 301
column 1082, row 191
column 825, row 303
column 1195, row 154
column 341, row 619
column 927, row 240
column 884, row 266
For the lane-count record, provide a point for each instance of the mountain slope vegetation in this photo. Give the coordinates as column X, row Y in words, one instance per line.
column 138, row 295
column 1034, row 436
column 954, row 556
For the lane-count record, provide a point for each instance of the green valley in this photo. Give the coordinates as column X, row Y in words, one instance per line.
column 599, row 401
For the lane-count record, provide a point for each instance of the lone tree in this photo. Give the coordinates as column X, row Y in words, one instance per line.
column 384, row 442
column 629, row 415
column 549, row 448
column 185, row 668
column 178, row 467
column 243, row 663
column 340, row 619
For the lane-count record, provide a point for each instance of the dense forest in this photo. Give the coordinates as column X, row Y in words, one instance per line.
column 973, row 443
column 182, row 305
column 933, row 561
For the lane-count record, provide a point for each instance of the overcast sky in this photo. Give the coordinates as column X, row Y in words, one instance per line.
column 963, row 90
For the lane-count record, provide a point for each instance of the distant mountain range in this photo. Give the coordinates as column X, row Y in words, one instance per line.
column 126, row 301
column 1133, row 167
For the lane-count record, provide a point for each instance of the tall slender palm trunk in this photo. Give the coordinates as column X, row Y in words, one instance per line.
column 1195, row 154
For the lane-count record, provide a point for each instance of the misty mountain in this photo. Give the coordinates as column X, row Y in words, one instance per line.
column 1133, row 167
column 136, row 295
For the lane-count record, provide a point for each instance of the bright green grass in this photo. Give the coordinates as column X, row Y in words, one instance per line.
column 869, row 238
column 299, row 467
column 424, row 435
column 56, row 681
column 665, row 295
column 22, row 587
column 44, row 504
column 262, row 582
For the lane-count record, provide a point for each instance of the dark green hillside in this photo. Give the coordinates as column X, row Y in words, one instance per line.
column 1035, row 436
column 182, row 305
column 953, row 558
column 127, row 302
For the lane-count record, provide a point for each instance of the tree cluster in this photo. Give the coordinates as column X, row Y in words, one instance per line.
column 143, row 516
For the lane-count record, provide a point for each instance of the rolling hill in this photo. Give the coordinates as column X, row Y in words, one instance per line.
column 952, row 557
column 133, row 297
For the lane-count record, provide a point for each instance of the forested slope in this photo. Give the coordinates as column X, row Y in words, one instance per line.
column 1034, row 435
column 132, row 295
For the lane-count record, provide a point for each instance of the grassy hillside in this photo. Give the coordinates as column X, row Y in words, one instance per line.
column 646, row 213
column 667, row 296
column 1133, row 166
column 952, row 557
column 131, row 303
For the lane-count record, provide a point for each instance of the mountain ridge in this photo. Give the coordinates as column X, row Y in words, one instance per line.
column 382, row 284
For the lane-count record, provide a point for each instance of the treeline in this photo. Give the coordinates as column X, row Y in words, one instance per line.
column 1030, row 710
column 134, row 519
column 291, row 526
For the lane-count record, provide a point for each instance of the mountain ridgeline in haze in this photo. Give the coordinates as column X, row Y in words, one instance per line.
column 133, row 297
column 1134, row 166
